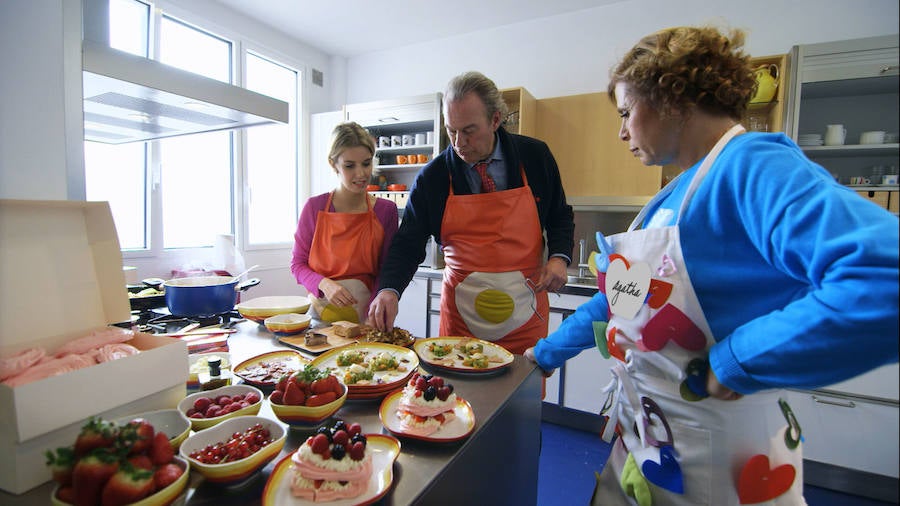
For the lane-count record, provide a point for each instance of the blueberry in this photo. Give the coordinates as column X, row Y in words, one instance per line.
column 338, row 452
column 358, row 438
column 430, row 392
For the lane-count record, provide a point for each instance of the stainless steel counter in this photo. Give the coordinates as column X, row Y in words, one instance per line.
column 497, row 464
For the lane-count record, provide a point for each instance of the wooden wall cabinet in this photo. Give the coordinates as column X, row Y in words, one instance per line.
column 770, row 116
column 522, row 114
column 583, row 134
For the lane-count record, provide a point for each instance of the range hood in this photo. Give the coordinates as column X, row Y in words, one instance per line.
column 129, row 98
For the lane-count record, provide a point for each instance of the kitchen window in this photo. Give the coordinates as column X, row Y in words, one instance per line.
column 181, row 192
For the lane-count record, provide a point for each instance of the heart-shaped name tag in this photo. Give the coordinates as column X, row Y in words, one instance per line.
column 626, row 286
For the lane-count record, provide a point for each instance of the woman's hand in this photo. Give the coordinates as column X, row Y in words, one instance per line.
column 718, row 390
column 336, row 293
column 529, row 354
column 383, row 310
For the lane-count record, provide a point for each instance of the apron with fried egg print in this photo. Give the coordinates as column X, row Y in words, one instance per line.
column 346, row 247
column 676, row 445
column 492, row 244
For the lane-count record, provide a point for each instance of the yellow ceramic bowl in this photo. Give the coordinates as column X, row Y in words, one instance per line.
column 260, row 308
column 238, row 470
column 163, row 497
column 305, row 416
column 230, row 390
column 172, row 422
column 287, row 324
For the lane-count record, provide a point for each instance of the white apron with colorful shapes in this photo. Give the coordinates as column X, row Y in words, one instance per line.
column 676, row 445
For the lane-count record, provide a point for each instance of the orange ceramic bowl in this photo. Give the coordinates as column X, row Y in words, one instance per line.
column 235, row 471
column 397, row 187
column 373, row 188
column 306, row 416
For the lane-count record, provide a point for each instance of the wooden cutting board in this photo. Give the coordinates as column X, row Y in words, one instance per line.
column 334, row 341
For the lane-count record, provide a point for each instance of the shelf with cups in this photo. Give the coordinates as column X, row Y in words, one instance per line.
column 402, row 167
column 853, row 150
column 413, row 148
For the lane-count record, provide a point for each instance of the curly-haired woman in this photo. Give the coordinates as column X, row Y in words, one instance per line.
column 751, row 272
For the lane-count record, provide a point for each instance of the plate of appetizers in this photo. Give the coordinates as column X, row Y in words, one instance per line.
column 265, row 370
column 369, row 370
column 429, row 414
column 463, row 354
column 287, row 484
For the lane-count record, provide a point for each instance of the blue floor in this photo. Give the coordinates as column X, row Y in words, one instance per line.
column 569, row 458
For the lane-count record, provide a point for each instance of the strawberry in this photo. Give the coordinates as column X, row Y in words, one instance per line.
column 90, row 475
column 66, row 494
column 320, row 399
column 166, row 475
column 141, row 461
column 293, row 395
column 320, row 386
column 96, row 433
column 61, row 464
column 137, row 435
column 127, row 485
column 161, row 451
column 277, row 397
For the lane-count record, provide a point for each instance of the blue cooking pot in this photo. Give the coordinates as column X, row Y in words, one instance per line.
column 204, row 295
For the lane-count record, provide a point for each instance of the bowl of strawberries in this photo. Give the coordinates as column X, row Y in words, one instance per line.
column 210, row 407
column 117, row 463
column 307, row 397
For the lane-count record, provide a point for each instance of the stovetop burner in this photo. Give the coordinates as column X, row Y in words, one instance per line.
column 161, row 321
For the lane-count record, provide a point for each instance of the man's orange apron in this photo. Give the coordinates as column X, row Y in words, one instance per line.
column 493, row 247
column 346, row 247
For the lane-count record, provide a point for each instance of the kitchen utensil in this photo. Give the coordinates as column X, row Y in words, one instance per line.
column 766, row 84
column 835, row 135
column 239, row 276
column 204, row 295
column 287, row 324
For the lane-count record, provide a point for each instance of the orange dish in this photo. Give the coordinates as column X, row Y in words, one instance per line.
column 373, row 188
column 397, row 187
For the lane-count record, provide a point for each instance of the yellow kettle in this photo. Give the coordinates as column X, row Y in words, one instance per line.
column 766, row 84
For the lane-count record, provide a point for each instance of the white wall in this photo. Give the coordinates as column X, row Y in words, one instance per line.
column 572, row 53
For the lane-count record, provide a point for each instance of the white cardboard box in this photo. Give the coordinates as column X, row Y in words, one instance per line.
column 61, row 267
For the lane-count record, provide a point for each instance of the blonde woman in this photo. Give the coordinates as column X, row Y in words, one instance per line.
column 342, row 235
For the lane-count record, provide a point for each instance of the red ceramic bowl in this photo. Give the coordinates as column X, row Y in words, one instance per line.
column 397, row 187
column 373, row 188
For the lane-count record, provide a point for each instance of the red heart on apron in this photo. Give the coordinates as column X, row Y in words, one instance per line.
column 658, row 293
column 758, row 483
column 671, row 324
column 611, row 345
column 666, row 474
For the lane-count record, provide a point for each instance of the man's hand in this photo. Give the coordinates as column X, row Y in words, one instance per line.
column 553, row 276
column 383, row 310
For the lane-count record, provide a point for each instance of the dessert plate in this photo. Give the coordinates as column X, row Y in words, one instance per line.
column 385, row 450
column 265, row 370
column 455, row 361
column 454, row 430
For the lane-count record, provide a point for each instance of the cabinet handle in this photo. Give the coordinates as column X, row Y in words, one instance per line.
column 391, row 119
column 847, row 404
column 889, row 68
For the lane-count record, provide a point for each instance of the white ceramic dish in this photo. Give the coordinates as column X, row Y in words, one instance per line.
column 204, row 423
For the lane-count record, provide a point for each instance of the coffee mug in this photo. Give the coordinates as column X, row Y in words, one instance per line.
column 396, row 141
column 384, row 142
column 835, row 135
column 408, row 140
column 859, row 180
column 429, row 137
column 420, row 139
column 889, row 179
column 401, row 160
column 422, row 158
column 873, row 137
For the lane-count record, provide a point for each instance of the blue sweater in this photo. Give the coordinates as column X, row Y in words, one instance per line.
column 797, row 275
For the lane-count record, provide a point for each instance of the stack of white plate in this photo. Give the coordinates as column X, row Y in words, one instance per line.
column 810, row 140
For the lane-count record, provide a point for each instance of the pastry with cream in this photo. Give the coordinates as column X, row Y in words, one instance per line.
column 332, row 464
column 426, row 404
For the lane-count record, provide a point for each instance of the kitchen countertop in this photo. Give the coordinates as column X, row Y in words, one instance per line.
column 507, row 408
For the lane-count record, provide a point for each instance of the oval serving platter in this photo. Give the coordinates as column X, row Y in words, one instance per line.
column 456, row 360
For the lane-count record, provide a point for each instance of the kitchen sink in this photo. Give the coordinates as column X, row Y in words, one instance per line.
column 583, row 280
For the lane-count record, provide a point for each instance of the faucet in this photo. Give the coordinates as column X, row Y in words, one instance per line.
column 583, row 267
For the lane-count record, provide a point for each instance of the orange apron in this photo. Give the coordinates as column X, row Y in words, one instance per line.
column 346, row 247
column 493, row 247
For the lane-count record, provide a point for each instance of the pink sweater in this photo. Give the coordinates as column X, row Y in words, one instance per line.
column 385, row 211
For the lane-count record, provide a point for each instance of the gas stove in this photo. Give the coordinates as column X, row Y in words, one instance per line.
column 161, row 321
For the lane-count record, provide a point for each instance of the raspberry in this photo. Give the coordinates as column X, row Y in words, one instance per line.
column 341, row 437
column 319, row 444
column 421, row 383
column 354, row 429
column 358, row 451
column 436, row 382
column 443, row 393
